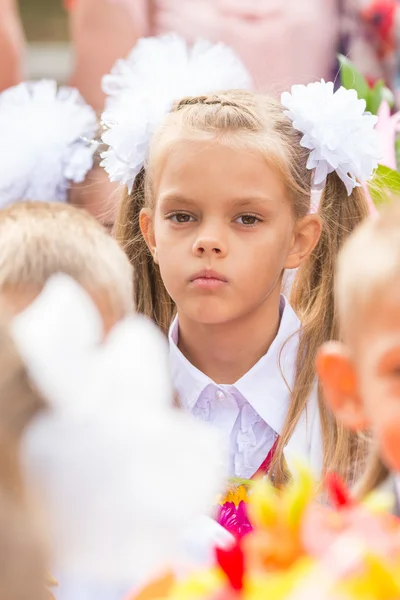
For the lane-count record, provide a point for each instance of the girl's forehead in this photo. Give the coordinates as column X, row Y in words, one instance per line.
column 185, row 139
column 200, row 165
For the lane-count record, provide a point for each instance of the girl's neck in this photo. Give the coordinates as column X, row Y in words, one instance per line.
column 225, row 352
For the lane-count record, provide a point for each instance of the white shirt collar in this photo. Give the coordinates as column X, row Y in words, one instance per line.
column 266, row 386
column 187, row 380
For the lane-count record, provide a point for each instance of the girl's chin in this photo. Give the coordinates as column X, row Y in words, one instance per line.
column 211, row 316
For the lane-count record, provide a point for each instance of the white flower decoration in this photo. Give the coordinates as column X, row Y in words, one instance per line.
column 338, row 132
column 45, row 145
column 122, row 472
column 142, row 89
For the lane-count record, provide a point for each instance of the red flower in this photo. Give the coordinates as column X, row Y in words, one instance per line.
column 338, row 493
column 379, row 16
column 232, row 563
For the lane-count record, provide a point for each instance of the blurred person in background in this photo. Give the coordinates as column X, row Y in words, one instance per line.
column 280, row 42
column 11, row 44
column 370, row 31
column 102, row 31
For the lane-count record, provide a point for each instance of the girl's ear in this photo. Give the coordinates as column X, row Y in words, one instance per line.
column 306, row 236
column 147, row 229
column 337, row 375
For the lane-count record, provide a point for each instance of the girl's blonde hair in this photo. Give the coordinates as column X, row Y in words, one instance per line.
column 255, row 121
column 39, row 239
column 375, row 474
column 22, row 567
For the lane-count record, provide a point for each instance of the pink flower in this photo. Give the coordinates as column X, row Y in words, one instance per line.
column 234, row 519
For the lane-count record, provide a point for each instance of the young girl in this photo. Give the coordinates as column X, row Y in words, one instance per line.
column 47, row 152
column 219, row 211
column 361, row 375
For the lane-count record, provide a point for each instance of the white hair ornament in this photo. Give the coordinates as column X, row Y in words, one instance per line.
column 336, row 129
column 142, row 89
column 45, row 141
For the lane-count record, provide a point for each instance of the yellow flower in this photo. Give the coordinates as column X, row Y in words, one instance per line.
column 199, row 586
column 267, row 506
column 264, row 504
column 236, row 495
column 379, row 581
column 278, row 585
column 298, row 496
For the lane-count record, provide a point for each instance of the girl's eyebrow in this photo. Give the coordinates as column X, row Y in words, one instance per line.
column 171, row 198
column 251, row 200
column 175, row 198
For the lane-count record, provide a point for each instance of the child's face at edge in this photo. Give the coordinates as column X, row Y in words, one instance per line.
column 361, row 381
column 222, row 230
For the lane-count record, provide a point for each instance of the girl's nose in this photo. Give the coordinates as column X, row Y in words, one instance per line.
column 209, row 244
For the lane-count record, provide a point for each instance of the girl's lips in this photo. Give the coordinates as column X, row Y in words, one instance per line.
column 208, row 279
column 208, row 282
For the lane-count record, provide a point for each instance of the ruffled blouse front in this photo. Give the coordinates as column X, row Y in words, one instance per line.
column 249, row 414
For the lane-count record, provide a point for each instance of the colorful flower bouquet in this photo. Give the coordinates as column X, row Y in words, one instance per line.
column 297, row 549
column 232, row 509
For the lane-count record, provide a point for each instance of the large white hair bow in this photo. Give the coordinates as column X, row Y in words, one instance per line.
column 122, row 472
column 142, row 89
column 336, row 129
column 45, row 133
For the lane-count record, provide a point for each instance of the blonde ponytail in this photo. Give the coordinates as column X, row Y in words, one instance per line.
column 22, row 570
column 19, row 403
column 150, row 296
column 375, row 474
column 314, row 301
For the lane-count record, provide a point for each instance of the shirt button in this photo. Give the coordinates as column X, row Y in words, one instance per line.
column 220, row 395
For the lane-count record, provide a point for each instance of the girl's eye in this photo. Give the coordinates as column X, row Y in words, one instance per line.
column 181, row 218
column 248, row 220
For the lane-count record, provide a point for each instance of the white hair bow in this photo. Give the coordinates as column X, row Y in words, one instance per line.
column 336, row 129
column 45, row 141
column 142, row 89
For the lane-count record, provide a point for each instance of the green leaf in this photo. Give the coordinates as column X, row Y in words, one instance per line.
column 351, row 78
column 375, row 97
column 239, row 481
column 385, row 184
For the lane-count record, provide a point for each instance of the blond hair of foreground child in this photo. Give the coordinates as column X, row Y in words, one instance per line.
column 22, row 567
column 39, row 239
column 361, row 376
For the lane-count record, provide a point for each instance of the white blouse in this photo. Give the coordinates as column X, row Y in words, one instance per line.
column 250, row 413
